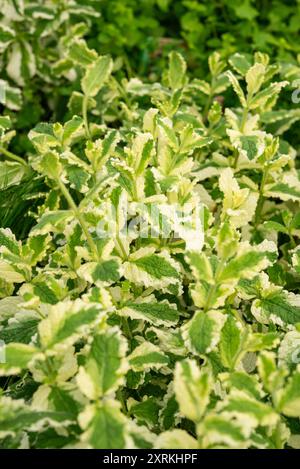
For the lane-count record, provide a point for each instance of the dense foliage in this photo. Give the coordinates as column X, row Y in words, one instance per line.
column 149, row 249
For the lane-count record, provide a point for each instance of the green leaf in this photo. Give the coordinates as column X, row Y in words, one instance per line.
column 96, row 75
column 283, row 191
column 232, row 340
column 244, row 382
column 66, row 322
column 104, row 273
column 16, row 416
column 275, row 226
column 10, row 174
column 202, row 333
column 237, row 88
column 6, row 35
column 104, row 426
column 252, row 146
column 270, row 375
column 105, row 365
column 220, row 431
column 142, row 151
column 52, row 221
column 12, row 97
column 289, row 350
column 268, row 96
column 21, row 329
column 43, row 138
column 44, row 292
column 16, row 357
column 262, row 341
column 289, row 402
column 38, row 247
column 99, row 152
column 192, row 389
column 70, row 130
column 277, row 306
column 49, row 165
column 216, row 64
column 146, row 412
column 227, row 241
column 8, row 240
column 147, row 356
column 245, row 10
column 9, row 273
column 247, row 263
column 176, row 71
column 239, row 404
column 159, row 271
column 81, row 54
column 255, row 78
column 240, row 63
column 152, row 311
column 238, row 204
column 176, row 438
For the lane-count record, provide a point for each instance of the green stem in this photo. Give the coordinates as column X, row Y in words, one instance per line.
column 259, row 207
column 127, row 330
column 79, row 217
column 292, row 240
column 134, row 191
column 236, row 158
column 121, row 91
column 128, row 66
column 244, row 119
column 92, row 192
column 242, row 126
column 213, row 287
column 209, row 100
column 261, row 198
column 12, row 156
column 206, row 108
column 51, row 375
column 85, row 116
column 39, row 313
column 121, row 248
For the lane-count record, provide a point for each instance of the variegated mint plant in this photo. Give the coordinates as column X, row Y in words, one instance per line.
column 155, row 301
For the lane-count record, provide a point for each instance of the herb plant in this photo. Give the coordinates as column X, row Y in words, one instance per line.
column 152, row 301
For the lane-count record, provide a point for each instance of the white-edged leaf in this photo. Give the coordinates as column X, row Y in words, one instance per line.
column 96, row 75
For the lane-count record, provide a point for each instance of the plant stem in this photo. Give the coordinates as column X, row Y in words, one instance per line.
column 206, row 108
column 121, row 248
column 209, row 100
column 79, row 217
column 242, row 126
column 92, row 191
column 292, row 241
column 121, row 90
column 12, row 156
column 39, row 313
column 236, row 158
column 260, row 202
column 127, row 330
column 213, row 287
column 85, row 116
column 244, row 119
